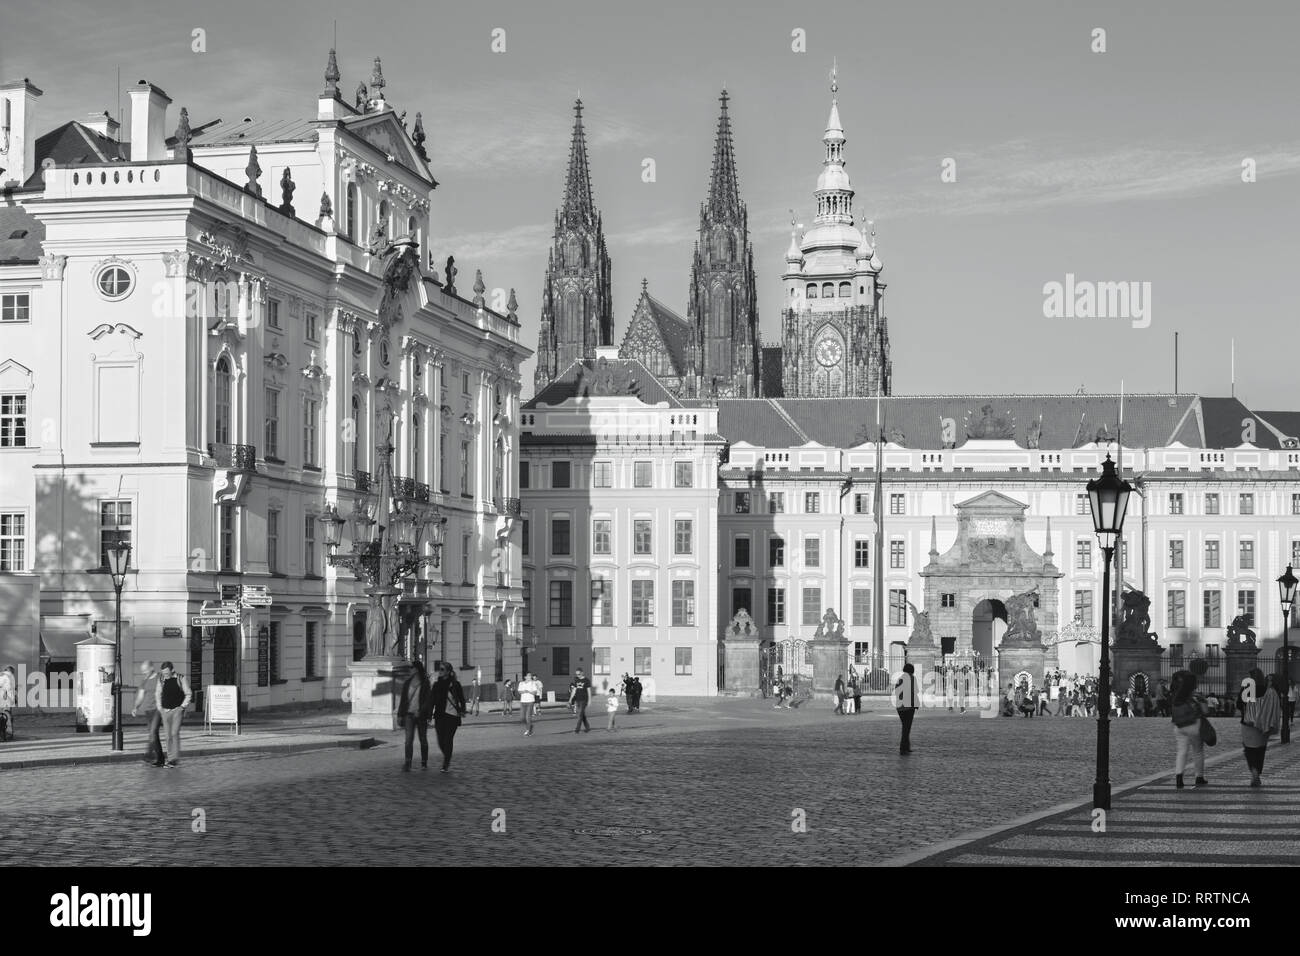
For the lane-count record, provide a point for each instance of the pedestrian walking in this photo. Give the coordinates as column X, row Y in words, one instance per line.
column 636, row 691
column 147, row 697
column 448, row 708
column 611, row 706
column 839, row 695
column 414, row 712
column 905, row 701
column 1188, row 709
column 172, row 695
column 475, row 686
column 507, row 698
column 855, row 687
column 1261, row 714
column 579, row 697
column 8, row 701
column 528, row 691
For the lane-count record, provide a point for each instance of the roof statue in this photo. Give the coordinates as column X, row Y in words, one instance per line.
column 183, row 135
column 361, row 96
column 286, row 192
column 450, row 271
column 418, row 137
column 990, row 426
column 479, row 288
column 253, row 171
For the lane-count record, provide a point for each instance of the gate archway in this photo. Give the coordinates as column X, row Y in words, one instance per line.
column 790, row 662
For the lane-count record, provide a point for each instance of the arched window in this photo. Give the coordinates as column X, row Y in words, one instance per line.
column 222, row 404
column 410, row 227
column 383, row 218
column 417, row 470
column 350, row 447
column 350, row 213
column 846, row 290
column 828, row 290
column 498, row 470
column 811, row 291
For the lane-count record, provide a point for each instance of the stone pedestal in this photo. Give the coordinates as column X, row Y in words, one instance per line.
column 923, row 658
column 1127, row 659
column 830, row 660
column 376, row 687
column 740, row 666
column 1240, row 657
column 1014, row 658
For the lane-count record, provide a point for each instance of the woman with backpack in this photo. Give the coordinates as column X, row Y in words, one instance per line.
column 1261, row 714
column 1188, row 709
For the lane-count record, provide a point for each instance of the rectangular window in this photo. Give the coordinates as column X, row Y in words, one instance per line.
column 464, row 383
column 13, row 421
column 741, row 552
column 309, row 650
column 311, row 328
column 862, row 607
column 561, row 613
column 682, row 661
column 524, row 542
column 741, row 599
column 466, row 553
column 114, row 526
column 1081, row 506
column 1083, row 554
column 812, row 552
column 897, row 555
column 742, row 502
column 274, row 634
column 683, row 603
column 602, row 474
column 16, row 307
column 559, row 662
column 949, row 599
column 466, row 456
column 896, row 504
column 1176, row 554
column 641, row 661
column 643, row 602
column 559, row 474
column 1175, row 504
column 776, row 605
column 641, row 474
column 13, row 541
column 812, row 606
column 683, row 529
column 310, row 566
column 443, row 481
column 812, row 502
column 1246, row 605
column 560, row 544
column 526, row 604
column 1083, row 607
column 524, row 474
column 601, row 534
column 272, row 314
column 862, row 552
column 600, row 661
column 1246, row 504
column 898, row 607
column 271, row 424
column 776, row 552
column 1212, row 609
column 1295, row 504
column 683, row 475
column 1212, row 504
column 1177, row 609
column 1295, row 553
column 310, row 416
column 602, row 602
column 1247, row 553
column 641, row 536
column 226, row 534
column 861, row 503
column 1212, row 555
column 273, row 541
column 776, row 502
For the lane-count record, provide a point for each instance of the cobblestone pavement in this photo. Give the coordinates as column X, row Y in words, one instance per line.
column 718, row 782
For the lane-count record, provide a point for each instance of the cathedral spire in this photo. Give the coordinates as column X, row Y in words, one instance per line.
column 577, row 186
column 724, row 188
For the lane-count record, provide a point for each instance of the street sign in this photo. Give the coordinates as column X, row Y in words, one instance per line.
column 171, row 632
column 256, row 595
column 215, row 619
column 230, row 592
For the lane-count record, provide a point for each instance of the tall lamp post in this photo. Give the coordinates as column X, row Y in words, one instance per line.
column 386, row 543
column 119, row 560
column 1286, row 590
column 1108, row 497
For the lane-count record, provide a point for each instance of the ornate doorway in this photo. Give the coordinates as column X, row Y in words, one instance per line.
column 225, row 658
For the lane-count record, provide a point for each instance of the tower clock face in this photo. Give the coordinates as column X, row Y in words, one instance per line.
column 829, row 351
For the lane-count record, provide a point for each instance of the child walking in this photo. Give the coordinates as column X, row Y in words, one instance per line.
column 611, row 704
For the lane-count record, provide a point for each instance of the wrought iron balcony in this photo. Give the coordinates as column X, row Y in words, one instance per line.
column 512, row 508
column 234, row 457
column 362, row 479
column 422, row 492
column 404, row 487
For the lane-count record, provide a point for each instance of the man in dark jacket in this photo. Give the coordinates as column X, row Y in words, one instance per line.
column 448, row 706
column 414, row 711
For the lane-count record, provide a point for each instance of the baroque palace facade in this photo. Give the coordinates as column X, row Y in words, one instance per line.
column 195, row 359
column 695, row 474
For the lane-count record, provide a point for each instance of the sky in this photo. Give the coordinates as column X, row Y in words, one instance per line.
column 1115, row 166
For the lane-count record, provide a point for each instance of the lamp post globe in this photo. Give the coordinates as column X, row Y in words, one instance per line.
column 1108, row 497
column 119, row 562
column 1286, row 586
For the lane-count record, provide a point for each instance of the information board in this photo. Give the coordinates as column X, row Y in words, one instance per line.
column 221, row 707
column 264, row 657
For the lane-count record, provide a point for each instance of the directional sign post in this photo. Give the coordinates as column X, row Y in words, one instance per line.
column 255, row 595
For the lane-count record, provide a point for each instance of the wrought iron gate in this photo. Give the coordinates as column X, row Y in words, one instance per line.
column 788, row 663
column 966, row 680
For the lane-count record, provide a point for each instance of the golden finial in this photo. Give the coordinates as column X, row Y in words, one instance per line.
column 835, row 86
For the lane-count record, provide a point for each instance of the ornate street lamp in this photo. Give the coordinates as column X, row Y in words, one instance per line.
column 1108, row 497
column 1286, row 590
column 119, row 561
column 386, row 545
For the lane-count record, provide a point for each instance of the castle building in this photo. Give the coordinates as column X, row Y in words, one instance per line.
column 197, row 335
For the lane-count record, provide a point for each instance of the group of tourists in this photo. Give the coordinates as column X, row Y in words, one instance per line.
column 8, row 701
column 848, row 695
column 1259, row 705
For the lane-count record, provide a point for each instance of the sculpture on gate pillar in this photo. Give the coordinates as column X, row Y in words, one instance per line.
column 831, row 628
column 1021, row 627
column 742, row 625
column 1240, row 633
column 921, row 635
column 1135, row 620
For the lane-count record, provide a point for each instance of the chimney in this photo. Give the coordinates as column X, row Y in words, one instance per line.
column 17, row 130
column 148, row 122
column 103, row 124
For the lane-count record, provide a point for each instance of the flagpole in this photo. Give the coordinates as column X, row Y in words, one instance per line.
column 1117, row 597
column 878, row 606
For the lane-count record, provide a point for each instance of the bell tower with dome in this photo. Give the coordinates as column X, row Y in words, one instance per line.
column 834, row 335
